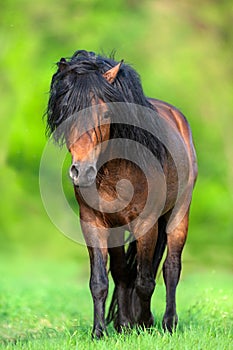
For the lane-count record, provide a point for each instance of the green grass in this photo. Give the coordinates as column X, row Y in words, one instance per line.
column 47, row 305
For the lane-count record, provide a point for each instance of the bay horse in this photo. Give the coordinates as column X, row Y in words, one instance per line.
column 103, row 101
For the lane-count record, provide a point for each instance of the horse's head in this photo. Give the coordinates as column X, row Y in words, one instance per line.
column 86, row 142
column 82, row 94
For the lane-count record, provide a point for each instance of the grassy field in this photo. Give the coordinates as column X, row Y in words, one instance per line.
column 47, row 305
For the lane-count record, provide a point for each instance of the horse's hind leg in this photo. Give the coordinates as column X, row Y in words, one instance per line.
column 145, row 283
column 120, row 274
column 171, row 271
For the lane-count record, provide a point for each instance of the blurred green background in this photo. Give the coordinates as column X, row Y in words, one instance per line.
column 183, row 52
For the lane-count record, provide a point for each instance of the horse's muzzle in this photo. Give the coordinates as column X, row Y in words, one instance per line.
column 83, row 175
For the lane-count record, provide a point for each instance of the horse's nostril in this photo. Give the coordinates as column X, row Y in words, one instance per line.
column 91, row 172
column 73, row 172
column 82, row 176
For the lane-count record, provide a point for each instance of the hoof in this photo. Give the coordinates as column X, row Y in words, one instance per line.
column 148, row 323
column 98, row 333
column 170, row 323
column 123, row 325
column 123, row 328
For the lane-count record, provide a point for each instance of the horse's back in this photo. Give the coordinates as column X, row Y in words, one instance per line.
column 177, row 120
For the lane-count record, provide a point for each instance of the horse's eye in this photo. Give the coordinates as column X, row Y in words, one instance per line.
column 107, row 115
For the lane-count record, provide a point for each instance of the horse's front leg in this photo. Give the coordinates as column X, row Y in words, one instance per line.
column 171, row 271
column 145, row 283
column 99, row 288
column 96, row 240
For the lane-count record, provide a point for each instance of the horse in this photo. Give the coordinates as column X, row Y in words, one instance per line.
column 96, row 104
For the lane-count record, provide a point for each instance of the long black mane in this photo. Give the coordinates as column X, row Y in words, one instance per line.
column 79, row 80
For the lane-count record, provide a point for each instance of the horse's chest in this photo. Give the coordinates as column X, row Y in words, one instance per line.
column 123, row 197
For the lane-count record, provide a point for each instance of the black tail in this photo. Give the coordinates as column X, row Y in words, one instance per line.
column 160, row 245
column 131, row 258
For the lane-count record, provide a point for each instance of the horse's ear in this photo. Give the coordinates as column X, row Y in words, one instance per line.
column 62, row 64
column 111, row 74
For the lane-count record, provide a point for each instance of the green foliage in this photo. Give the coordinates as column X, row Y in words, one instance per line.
column 182, row 51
